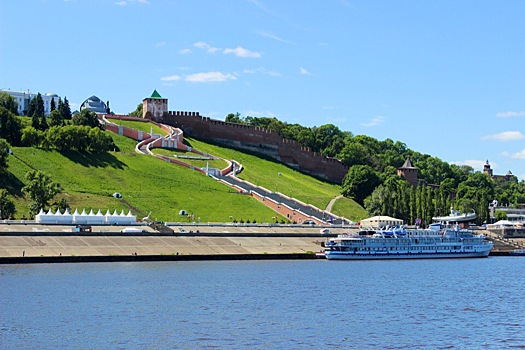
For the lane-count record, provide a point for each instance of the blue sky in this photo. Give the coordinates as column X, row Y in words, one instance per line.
column 445, row 77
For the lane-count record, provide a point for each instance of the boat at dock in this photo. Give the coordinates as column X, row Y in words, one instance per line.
column 519, row 252
column 438, row 241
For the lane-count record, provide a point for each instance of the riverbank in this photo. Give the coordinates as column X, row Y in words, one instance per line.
column 21, row 244
column 46, row 243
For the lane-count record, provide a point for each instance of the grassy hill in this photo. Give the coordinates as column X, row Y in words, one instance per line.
column 148, row 184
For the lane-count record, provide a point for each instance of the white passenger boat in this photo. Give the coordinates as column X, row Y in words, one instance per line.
column 399, row 243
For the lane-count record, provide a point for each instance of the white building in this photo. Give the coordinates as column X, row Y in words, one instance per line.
column 23, row 98
column 381, row 221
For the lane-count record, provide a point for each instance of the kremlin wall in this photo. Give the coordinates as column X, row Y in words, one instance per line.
column 257, row 140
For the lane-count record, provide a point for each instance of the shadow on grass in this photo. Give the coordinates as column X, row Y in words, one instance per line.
column 11, row 183
column 98, row 160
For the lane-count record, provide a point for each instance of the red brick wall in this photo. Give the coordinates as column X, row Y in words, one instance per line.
column 258, row 140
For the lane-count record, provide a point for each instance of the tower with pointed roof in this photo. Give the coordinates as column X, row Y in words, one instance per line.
column 154, row 107
column 408, row 172
column 487, row 170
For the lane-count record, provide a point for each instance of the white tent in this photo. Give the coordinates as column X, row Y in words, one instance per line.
column 85, row 219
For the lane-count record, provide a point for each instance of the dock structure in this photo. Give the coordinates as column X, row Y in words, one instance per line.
column 32, row 243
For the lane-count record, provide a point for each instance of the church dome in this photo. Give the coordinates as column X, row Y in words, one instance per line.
column 94, row 104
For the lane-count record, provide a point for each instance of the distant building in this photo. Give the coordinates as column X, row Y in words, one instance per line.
column 487, row 170
column 23, row 98
column 154, row 107
column 408, row 172
column 513, row 213
column 94, row 104
column 381, row 221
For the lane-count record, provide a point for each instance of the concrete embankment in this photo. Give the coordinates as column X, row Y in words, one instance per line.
column 43, row 244
column 38, row 244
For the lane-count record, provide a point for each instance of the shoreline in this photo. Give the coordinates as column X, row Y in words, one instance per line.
column 34, row 244
column 152, row 258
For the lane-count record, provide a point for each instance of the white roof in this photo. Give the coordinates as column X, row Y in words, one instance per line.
column 382, row 218
column 503, row 223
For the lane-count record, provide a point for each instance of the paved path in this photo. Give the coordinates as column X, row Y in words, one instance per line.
column 308, row 210
column 332, row 202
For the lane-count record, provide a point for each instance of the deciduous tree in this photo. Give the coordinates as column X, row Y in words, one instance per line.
column 8, row 102
column 4, row 153
column 7, row 206
column 359, row 182
column 41, row 189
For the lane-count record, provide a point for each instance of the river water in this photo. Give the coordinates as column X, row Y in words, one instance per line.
column 405, row 304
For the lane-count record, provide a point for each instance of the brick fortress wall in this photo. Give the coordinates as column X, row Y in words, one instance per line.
column 259, row 140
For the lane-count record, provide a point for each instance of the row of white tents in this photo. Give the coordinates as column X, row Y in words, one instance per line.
column 84, row 218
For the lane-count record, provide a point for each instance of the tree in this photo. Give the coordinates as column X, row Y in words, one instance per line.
column 354, row 153
column 4, row 153
column 63, row 204
column 359, row 182
column 36, row 111
column 475, row 194
column 8, row 102
column 10, row 126
column 43, row 123
column 500, row 215
column 86, row 117
column 234, row 118
column 31, row 137
column 137, row 112
column 7, row 206
column 64, row 109
column 52, row 107
column 55, row 119
column 41, row 189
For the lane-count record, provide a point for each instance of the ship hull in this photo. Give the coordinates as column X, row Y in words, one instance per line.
column 336, row 255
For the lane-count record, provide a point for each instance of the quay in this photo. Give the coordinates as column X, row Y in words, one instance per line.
column 34, row 243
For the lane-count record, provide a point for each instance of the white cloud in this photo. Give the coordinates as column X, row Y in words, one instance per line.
column 208, row 77
column 375, row 121
column 519, row 155
column 205, row 46
column 476, row 164
column 184, row 51
column 160, row 44
column 510, row 114
column 505, row 136
column 126, row 2
column 171, row 78
column 303, row 71
column 262, row 70
column 242, row 52
column 274, row 37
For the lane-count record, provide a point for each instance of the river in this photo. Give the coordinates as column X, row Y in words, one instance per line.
column 404, row 304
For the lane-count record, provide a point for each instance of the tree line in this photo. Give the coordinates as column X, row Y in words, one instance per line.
column 61, row 130
column 373, row 182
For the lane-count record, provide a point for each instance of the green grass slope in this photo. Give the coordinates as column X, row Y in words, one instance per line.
column 148, row 184
column 145, row 182
column 278, row 177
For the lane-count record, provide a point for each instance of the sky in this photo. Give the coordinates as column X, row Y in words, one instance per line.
column 447, row 78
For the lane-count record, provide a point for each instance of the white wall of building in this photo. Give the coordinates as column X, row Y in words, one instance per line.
column 22, row 98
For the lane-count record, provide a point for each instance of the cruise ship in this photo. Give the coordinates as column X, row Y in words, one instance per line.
column 438, row 241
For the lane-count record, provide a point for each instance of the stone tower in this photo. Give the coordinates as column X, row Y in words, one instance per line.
column 154, row 107
column 487, row 170
column 408, row 172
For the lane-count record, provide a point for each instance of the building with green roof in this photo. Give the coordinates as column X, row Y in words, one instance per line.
column 155, row 106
